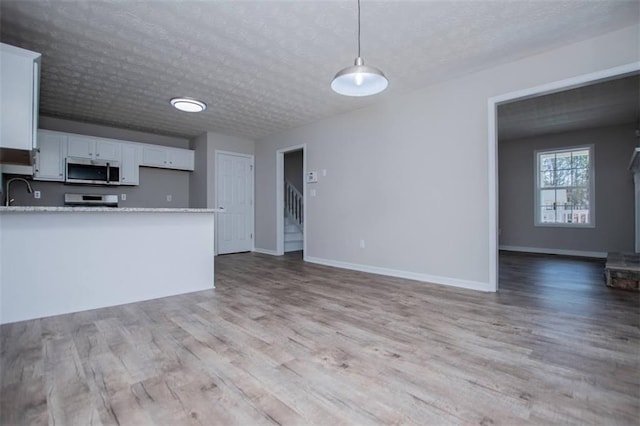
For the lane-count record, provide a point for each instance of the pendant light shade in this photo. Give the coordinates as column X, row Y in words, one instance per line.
column 359, row 79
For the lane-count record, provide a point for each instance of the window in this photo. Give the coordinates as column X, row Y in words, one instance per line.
column 564, row 187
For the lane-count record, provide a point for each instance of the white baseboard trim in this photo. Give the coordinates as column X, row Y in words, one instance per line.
column 265, row 251
column 432, row 279
column 578, row 253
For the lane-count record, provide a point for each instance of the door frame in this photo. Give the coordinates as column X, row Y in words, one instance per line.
column 217, row 153
column 492, row 141
column 280, row 197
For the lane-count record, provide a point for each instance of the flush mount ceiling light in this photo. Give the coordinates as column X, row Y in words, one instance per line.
column 188, row 104
column 359, row 80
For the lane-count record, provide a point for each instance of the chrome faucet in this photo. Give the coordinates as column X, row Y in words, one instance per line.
column 9, row 200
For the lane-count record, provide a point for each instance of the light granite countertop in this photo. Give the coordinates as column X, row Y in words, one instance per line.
column 35, row 209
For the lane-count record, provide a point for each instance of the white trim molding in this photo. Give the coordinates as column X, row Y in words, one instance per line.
column 562, row 252
column 431, row 279
column 265, row 251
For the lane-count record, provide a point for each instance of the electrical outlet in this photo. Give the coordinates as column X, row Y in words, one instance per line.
column 123, row 197
column 37, row 194
column 169, row 198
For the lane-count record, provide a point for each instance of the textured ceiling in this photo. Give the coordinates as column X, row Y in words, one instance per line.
column 265, row 66
column 602, row 104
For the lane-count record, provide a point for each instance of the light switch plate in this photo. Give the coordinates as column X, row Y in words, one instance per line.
column 123, row 197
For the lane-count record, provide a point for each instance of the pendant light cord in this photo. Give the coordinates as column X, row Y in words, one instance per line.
column 358, row 28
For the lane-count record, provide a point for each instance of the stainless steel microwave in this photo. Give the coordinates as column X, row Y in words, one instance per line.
column 96, row 172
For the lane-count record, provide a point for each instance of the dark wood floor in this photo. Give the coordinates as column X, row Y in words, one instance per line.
column 283, row 342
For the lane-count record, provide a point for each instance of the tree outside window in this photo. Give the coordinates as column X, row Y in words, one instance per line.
column 564, row 187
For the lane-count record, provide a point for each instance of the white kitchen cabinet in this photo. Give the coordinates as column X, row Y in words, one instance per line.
column 20, row 88
column 167, row 158
column 50, row 156
column 130, row 164
column 154, row 156
column 94, row 148
column 181, row 159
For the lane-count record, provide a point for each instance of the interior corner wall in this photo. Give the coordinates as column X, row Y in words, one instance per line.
column 409, row 175
column 198, row 178
column 613, row 199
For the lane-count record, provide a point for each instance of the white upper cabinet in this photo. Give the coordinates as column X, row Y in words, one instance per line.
column 20, row 88
column 154, row 156
column 54, row 148
column 130, row 165
column 94, row 148
column 50, row 156
column 167, row 158
column 182, row 159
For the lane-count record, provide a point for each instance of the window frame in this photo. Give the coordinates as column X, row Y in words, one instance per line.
column 591, row 187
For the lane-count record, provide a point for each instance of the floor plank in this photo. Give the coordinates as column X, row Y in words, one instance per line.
column 280, row 341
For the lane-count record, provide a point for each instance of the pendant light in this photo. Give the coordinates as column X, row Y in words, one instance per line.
column 359, row 79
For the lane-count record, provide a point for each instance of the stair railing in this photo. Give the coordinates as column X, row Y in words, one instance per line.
column 293, row 203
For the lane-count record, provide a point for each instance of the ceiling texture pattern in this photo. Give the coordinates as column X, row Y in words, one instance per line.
column 265, row 66
column 602, row 104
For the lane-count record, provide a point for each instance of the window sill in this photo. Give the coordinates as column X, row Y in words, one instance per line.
column 565, row 225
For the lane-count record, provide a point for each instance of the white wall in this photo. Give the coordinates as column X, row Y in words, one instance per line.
column 613, row 200
column 410, row 175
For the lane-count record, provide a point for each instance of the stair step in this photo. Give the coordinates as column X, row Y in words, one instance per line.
column 291, row 228
column 293, row 246
column 293, row 236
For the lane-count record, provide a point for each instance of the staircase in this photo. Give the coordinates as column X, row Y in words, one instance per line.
column 293, row 214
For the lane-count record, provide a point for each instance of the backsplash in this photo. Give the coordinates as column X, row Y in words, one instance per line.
column 155, row 186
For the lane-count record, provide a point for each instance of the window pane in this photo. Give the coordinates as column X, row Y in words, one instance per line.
column 579, row 197
column 580, row 177
column 580, row 159
column 563, row 177
column 547, row 162
column 546, row 179
column 547, row 215
column 563, row 160
column 547, row 197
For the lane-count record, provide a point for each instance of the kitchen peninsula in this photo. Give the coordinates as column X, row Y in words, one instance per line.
column 56, row 260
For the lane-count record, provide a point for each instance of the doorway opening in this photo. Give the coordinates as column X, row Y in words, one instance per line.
column 291, row 209
column 493, row 104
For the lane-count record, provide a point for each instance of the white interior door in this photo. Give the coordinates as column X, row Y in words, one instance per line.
column 234, row 193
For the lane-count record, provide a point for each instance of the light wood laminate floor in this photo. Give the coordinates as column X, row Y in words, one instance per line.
column 284, row 342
